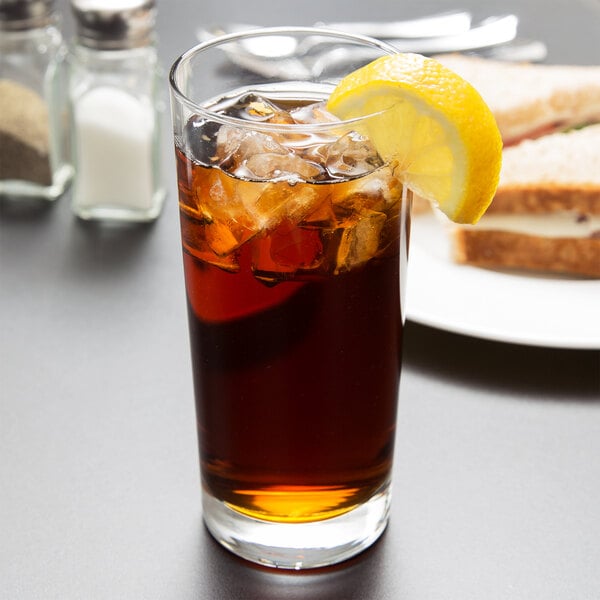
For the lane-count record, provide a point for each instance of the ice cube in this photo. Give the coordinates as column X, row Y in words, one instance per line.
column 193, row 236
column 228, row 224
column 194, row 196
column 379, row 192
column 199, row 138
column 235, row 145
column 214, row 194
column 313, row 113
column 253, row 107
column 279, row 201
column 311, row 145
column 289, row 167
column 314, row 150
column 287, row 250
column 227, row 142
column 322, row 216
column 293, row 246
column 224, row 237
column 352, row 155
column 359, row 239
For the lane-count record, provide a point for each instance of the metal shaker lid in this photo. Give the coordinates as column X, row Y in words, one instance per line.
column 18, row 15
column 114, row 24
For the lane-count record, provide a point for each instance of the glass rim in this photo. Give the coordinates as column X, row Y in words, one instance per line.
column 220, row 40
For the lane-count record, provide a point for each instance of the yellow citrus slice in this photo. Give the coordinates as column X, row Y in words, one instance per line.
column 433, row 124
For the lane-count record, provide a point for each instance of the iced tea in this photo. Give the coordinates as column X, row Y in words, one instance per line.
column 292, row 259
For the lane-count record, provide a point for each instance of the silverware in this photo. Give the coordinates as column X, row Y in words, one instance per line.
column 490, row 32
column 458, row 35
column 283, row 55
column 430, row 26
column 447, row 23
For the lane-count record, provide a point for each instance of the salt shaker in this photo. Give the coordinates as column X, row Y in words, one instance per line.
column 34, row 136
column 115, row 93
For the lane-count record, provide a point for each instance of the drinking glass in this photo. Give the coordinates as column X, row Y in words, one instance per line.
column 295, row 238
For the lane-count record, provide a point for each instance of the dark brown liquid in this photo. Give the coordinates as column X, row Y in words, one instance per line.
column 296, row 404
column 295, row 340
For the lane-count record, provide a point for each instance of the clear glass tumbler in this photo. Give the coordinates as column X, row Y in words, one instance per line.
column 295, row 238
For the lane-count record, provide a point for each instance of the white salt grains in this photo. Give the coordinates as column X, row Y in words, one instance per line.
column 114, row 136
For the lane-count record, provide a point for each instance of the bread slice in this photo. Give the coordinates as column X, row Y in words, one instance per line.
column 556, row 172
column 514, row 251
column 546, row 213
column 530, row 100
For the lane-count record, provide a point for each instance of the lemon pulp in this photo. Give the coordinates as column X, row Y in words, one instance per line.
column 432, row 125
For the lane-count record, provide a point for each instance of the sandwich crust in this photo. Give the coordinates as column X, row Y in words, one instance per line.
column 508, row 250
column 544, row 198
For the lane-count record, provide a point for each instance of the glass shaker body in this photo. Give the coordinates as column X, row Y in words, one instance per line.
column 116, row 107
column 34, row 121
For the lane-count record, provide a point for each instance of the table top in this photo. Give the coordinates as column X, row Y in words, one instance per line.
column 497, row 473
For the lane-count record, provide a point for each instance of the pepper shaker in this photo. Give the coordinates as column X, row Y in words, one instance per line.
column 34, row 136
column 114, row 89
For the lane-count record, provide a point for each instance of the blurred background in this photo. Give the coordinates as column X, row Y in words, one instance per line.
column 497, row 473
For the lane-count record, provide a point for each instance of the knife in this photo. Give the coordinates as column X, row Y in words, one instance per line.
column 429, row 26
column 449, row 23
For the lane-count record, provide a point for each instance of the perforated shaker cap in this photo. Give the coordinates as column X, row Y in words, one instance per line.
column 114, row 24
column 18, row 15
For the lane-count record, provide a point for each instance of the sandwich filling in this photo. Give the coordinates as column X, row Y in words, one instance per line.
column 563, row 224
column 533, row 132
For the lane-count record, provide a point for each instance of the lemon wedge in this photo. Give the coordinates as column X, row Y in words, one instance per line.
column 432, row 124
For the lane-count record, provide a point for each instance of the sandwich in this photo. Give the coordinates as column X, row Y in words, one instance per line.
column 545, row 215
column 546, row 212
column 531, row 100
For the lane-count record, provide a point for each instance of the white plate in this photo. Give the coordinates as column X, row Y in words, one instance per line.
column 527, row 309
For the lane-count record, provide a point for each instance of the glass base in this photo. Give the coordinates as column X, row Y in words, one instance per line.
column 16, row 188
column 298, row 545
column 115, row 212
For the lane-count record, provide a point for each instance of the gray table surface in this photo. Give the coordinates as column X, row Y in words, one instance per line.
column 497, row 475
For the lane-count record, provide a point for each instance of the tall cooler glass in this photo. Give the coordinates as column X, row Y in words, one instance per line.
column 295, row 239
